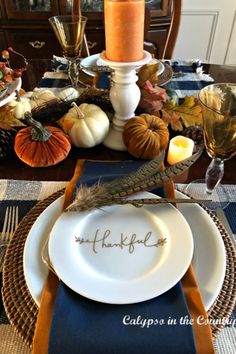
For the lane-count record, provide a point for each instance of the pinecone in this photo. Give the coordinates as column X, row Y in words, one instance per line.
column 7, row 138
column 97, row 97
column 195, row 132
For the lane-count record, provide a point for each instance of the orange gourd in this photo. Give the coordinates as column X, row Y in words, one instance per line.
column 40, row 146
column 145, row 136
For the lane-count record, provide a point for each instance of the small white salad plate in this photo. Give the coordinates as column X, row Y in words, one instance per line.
column 10, row 92
column 121, row 254
column 94, row 60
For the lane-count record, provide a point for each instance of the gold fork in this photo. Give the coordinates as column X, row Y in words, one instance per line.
column 9, row 227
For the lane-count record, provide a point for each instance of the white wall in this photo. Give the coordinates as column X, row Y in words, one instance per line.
column 208, row 31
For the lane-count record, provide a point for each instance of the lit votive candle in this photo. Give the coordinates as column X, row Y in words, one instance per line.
column 124, row 29
column 180, row 148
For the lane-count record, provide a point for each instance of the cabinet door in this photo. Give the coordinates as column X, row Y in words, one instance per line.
column 158, row 7
column 34, row 44
column 157, row 38
column 3, row 42
column 31, row 9
column 157, row 30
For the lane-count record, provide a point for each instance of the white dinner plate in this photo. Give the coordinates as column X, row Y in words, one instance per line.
column 209, row 258
column 10, row 93
column 94, row 60
column 121, row 254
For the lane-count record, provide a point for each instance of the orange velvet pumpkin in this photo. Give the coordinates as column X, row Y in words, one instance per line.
column 40, row 146
column 145, row 136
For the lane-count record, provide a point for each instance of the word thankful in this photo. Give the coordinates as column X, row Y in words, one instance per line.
column 124, row 242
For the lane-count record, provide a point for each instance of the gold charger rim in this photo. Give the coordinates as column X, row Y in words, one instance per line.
column 22, row 310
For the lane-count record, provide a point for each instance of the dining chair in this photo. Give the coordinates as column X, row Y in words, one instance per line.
column 85, row 48
column 166, row 51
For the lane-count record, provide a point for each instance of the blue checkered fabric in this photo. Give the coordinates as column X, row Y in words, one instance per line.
column 187, row 80
column 26, row 193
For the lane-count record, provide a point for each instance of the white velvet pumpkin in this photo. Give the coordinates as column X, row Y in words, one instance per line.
column 41, row 97
column 68, row 94
column 86, row 124
column 20, row 105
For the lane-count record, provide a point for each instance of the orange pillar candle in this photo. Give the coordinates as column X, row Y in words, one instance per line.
column 124, row 30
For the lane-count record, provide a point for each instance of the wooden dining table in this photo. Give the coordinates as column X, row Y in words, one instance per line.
column 25, row 186
column 13, row 168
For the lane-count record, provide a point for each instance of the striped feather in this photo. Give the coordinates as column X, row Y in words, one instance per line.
column 144, row 172
column 103, row 194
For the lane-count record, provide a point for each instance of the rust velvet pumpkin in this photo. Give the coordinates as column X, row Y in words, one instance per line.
column 145, row 136
column 40, row 146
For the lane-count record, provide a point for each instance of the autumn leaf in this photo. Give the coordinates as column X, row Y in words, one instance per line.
column 148, row 72
column 7, row 118
column 175, row 122
column 187, row 114
column 152, row 98
column 189, row 101
column 165, row 115
column 170, row 104
column 172, row 118
column 5, row 126
column 150, row 106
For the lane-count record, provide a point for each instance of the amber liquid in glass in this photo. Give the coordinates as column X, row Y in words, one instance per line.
column 69, row 31
column 220, row 136
column 70, row 39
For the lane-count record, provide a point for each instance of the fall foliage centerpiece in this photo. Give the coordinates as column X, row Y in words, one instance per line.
column 160, row 111
column 164, row 102
column 12, row 65
column 159, row 115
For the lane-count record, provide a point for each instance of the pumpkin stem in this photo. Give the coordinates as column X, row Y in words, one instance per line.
column 18, row 99
column 38, row 133
column 78, row 110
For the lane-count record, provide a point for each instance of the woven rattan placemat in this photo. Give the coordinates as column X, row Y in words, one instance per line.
column 22, row 310
column 166, row 75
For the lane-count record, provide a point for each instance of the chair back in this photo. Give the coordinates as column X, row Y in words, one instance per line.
column 85, row 48
column 164, row 51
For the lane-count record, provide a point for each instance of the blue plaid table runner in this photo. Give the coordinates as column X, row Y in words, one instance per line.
column 26, row 194
column 187, row 80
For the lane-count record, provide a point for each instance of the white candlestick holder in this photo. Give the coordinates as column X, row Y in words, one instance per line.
column 124, row 96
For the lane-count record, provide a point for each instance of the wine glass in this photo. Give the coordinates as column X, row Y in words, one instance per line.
column 69, row 30
column 218, row 103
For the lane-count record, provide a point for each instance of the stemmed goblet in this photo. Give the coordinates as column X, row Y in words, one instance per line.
column 69, row 30
column 218, row 103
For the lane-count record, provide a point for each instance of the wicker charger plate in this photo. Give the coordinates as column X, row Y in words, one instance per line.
column 166, row 75
column 22, row 310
